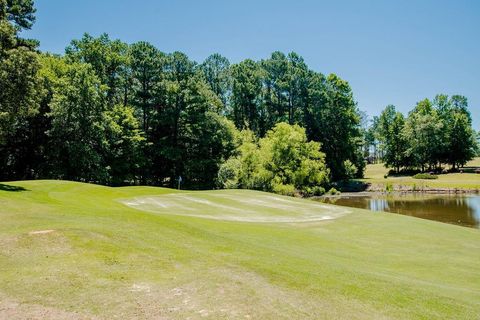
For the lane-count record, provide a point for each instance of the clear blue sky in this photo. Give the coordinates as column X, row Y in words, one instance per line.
column 391, row 52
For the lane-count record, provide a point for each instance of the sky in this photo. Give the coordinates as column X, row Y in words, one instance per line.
column 391, row 52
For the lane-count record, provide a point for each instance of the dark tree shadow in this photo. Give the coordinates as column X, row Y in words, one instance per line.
column 7, row 187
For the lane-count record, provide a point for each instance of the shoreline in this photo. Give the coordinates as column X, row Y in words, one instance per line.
column 379, row 188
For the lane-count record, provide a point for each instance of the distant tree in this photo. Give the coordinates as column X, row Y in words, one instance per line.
column 275, row 82
column 462, row 140
column 423, row 135
column 216, row 71
column 391, row 125
column 247, row 109
column 477, row 145
column 458, row 137
column 147, row 66
column 385, row 121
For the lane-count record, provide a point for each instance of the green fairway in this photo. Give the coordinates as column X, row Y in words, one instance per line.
column 81, row 251
column 374, row 175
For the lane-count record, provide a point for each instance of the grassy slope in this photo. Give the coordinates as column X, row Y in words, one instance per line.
column 374, row 175
column 108, row 260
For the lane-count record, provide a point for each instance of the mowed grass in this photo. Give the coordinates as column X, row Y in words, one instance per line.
column 374, row 175
column 80, row 251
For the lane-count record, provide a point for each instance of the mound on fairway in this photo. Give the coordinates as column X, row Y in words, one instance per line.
column 80, row 251
column 240, row 205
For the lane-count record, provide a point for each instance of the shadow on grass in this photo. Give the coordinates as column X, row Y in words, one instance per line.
column 7, row 187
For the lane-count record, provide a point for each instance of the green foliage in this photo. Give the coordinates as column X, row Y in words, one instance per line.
column 333, row 191
column 78, row 130
column 229, row 173
column 116, row 113
column 20, row 91
column 350, row 169
column 108, row 59
column 217, row 74
column 391, row 127
column 19, row 13
column 283, row 162
column 335, row 124
column 122, row 146
column 388, row 187
column 436, row 132
column 425, row 176
column 246, row 104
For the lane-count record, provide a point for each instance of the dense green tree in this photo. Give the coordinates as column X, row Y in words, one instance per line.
column 283, row 162
column 457, row 137
column 423, row 134
column 286, row 81
column 20, row 89
column 247, row 109
column 216, row 71
column 78, row 129
column 108, row 58
column 337, row 125
column 462, row 140
column 123, row 144
column 391, row 132
column 147, row 65
column 291, row 162
column 19, row 13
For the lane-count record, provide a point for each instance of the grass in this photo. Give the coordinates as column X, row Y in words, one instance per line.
column 138, row 252
column 374, row 175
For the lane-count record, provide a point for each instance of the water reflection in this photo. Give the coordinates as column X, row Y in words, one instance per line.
column 456, row 209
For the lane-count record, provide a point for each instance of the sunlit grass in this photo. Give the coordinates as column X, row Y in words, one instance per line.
column 374, row 175
column 106, row 259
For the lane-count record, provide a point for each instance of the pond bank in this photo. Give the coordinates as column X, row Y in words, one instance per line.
column 455, row 208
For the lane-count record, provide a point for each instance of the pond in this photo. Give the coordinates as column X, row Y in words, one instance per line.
column 461, row 210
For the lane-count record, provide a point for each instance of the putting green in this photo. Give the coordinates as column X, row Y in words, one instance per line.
column 237, row 205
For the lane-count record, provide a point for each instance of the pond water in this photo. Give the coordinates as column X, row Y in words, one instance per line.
column 462, row 210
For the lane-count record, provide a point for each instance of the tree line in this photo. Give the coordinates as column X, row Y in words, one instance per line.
column 437, row 132
column 116, row 113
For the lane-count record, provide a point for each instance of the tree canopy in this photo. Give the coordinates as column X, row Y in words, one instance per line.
column 435, row 132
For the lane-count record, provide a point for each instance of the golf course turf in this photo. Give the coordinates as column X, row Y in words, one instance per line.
column 81, row 251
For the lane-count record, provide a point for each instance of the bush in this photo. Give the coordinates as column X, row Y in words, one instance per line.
column 228, row 174
column 389, row 187
column 284, row 161
column 427, row 176
column 313, row 191
column 350, row 169
column 333, row 191
column 284, row 189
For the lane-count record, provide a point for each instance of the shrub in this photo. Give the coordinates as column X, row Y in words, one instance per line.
column 389, row 187
column 284, row 161
column 284, row 189
column 228, row 174
column 350, row 169
column 333, row 191
column 427, row 176
column 313, row 191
